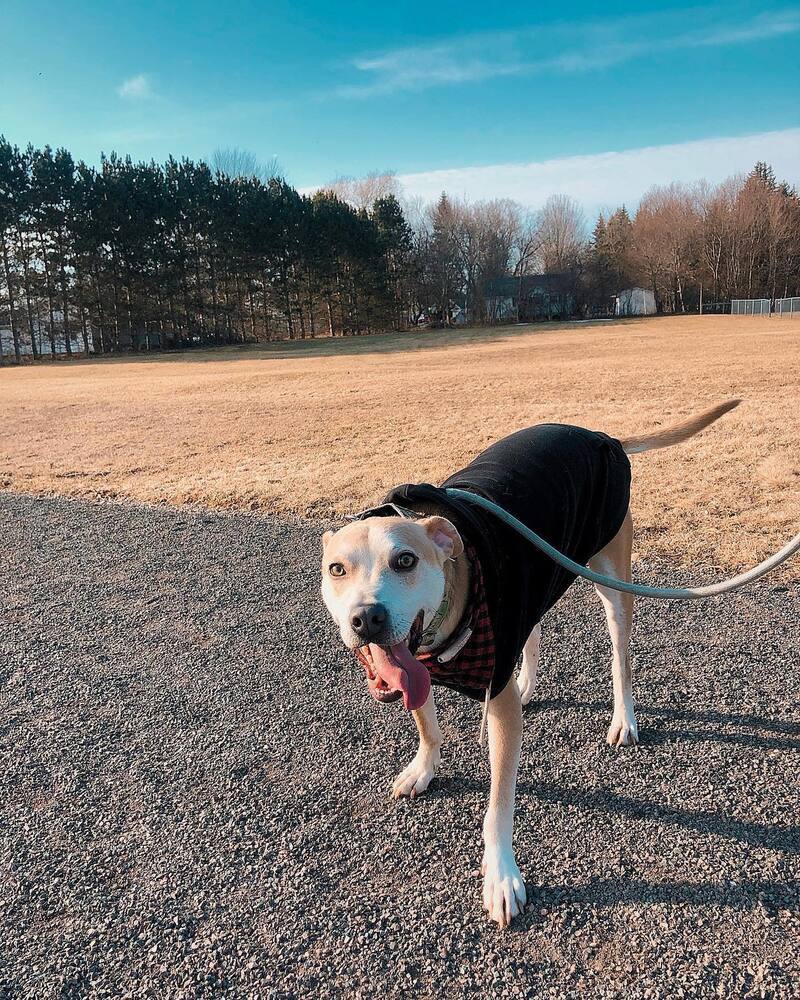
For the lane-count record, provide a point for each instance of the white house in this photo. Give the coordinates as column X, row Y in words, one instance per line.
column 635, row 302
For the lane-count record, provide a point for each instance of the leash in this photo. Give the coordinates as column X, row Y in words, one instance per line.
column 640, row 589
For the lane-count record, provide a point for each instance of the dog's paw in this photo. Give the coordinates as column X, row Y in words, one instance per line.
column 527, row 688
column 504, row 895
column 416, row 777
column 623, row 731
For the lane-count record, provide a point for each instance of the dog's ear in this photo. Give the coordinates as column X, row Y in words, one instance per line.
column 444, row 536
column 326, row 537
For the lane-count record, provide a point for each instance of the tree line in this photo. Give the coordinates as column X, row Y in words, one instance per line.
column 737, row 239
column 136, row 255
column 686, row 243
column 131, row 256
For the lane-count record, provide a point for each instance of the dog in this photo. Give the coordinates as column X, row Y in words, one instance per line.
column 426, row 590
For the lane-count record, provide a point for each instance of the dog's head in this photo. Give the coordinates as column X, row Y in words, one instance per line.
column 382, row 581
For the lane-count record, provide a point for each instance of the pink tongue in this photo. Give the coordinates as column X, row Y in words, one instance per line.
column 403, row 673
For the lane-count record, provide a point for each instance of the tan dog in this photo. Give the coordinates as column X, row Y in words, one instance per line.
column 398, row 587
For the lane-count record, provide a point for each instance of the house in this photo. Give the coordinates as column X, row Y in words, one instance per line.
column 635, row 302
column 529, row 297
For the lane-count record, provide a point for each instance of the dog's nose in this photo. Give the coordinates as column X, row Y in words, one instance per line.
column 368, row 621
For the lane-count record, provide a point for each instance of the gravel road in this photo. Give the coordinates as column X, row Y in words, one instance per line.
column 194, row 793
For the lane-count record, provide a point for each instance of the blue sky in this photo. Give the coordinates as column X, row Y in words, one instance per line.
column 442, row 93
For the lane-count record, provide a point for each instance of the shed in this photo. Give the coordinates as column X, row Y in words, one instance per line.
column 635, row 302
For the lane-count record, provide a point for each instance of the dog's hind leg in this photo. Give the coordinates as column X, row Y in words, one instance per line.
column 615, row 560
column 526, row 681
column 417, row 776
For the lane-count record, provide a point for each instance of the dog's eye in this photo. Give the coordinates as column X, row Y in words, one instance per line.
column 405, row 561
column 336, row 569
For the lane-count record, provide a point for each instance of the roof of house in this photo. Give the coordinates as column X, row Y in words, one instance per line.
column 509, row 286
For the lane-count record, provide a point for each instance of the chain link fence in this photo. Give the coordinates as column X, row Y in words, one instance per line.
column 751, row 307
column 788, row 307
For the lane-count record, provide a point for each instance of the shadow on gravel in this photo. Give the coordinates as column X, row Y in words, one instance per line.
column 776, row 838
column 611, row 892
column 687, row 714
column 657, row 737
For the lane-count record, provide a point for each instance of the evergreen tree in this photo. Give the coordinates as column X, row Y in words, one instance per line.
column 442, row 264
column 396, row 243
column 12, row 198
column 134, row 256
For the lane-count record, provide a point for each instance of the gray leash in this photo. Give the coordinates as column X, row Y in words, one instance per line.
column 640, row 589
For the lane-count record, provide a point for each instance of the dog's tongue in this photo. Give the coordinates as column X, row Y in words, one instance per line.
column 402, row 672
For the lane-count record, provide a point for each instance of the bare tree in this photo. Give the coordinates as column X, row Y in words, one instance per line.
column 562, row 233
column 715, row 210
column 363, row 192
column 526, row 256
column 490, row 239
column 234, row 162
column 665, row 232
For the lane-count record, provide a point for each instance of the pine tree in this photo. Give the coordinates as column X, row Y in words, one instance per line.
column 396, row 242
column 442, row 263
column 12, row 189
column 764, row 173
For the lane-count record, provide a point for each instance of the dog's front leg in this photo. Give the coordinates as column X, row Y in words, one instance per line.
column 503, row 888
column 417, row 776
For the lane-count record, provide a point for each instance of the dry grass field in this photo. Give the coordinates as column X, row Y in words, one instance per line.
column 329, row 426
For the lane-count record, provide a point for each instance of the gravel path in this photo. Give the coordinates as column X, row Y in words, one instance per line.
column 194, row 803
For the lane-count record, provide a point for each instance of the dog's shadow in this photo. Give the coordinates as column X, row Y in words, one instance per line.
column 742, row 894
column 781, row 735
column 703, row 821
column 746, row 894
column 750, row 731
column 778, row 735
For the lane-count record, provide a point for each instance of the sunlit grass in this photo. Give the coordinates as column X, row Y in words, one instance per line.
column 330, row 426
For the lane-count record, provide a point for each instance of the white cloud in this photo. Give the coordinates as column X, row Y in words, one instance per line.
column 136, row 88
column 602, row 180
column 561, row 48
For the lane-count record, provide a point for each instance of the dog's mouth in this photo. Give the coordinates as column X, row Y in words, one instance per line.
column 393, row 672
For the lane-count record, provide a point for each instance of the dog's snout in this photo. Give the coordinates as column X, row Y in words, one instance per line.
column 368, row 621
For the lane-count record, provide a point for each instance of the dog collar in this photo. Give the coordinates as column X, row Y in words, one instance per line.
column 439, row 616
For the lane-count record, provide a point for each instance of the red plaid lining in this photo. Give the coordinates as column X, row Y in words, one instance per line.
column 472, row 666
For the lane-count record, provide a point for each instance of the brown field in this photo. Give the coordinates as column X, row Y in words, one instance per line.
column 313, row 428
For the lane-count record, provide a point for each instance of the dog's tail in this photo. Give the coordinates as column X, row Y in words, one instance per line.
column 679, row 433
